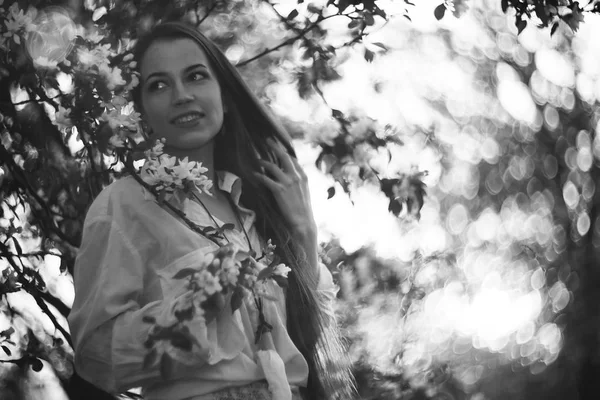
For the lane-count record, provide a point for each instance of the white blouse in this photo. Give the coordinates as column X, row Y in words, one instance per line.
column 131, row 247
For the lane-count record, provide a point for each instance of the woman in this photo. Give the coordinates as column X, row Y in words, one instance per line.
column 193, row 98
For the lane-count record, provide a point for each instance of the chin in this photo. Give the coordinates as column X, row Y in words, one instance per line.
column 193, row 143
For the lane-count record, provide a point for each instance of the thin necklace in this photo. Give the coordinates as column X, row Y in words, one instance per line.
column 239, row 219
column 235, row 211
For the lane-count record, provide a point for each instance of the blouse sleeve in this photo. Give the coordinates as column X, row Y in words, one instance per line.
column 106, row 318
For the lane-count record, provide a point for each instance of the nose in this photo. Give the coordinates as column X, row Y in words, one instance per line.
column 181, row 95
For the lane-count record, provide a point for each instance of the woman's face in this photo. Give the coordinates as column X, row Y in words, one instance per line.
column 181, row 97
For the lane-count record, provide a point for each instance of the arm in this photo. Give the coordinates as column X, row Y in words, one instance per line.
column 325, row 286
column 106, row 318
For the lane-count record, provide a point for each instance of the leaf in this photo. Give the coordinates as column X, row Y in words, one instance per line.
column 292, row 15
column 521, row 24
column 185, row 315
column 440, row 11
column 313, row 8
column 369, row 55
column 98, row 13
column 36, row 364
column 395, row 207
column 17, row 246
column 369, row 20
column 337, row 114
column 330, row 192
column 6, row 350
column 575, row 18
column 227, row 227
column 280, row 280
column 265, row 273
column 7, row 332
column 166, row 366
column 380, row 12
column 354, row 23
column 148, row 319
column 183, row 273
column 181, row 341
column 380, row 45
column 504, row 4
column 150, row 358
column 554, row 28
column 236, row 298
column 263, row 328
column 63, row 265
column 214, row 303
column 342, row 5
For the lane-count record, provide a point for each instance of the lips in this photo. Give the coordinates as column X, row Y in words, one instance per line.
column 187, row 118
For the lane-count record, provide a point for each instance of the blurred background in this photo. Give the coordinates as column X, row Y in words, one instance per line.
column 453, row 165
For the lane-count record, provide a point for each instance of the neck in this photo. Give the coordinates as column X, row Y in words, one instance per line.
column 204, row 155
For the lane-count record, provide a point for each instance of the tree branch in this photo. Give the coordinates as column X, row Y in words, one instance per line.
column 301, row 33
column 17, row 172
column 35, row 293
column 210, row 10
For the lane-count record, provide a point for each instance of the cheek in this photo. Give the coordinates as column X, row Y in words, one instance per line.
column 154, row 110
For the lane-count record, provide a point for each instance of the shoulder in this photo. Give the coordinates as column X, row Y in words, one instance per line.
column 124, row 196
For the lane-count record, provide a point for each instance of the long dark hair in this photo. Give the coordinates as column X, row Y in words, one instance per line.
column 238, row 148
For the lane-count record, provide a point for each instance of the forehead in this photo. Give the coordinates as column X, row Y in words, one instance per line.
column 172, row 56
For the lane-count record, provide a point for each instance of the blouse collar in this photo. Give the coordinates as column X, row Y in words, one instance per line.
column 230, row 183
column 226, row 181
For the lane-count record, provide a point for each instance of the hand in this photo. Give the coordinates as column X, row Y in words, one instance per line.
column 289, row 186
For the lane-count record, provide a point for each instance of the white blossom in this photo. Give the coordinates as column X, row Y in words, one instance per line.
column 116, row 141
column 209, row 283
column 44, row 62
column 98, row 56
column 261, row 288
column 111, row 75
column 155, row 151
column 116, row 119
column 282, row 270
column 62, row 118
column 229, row 272
column 93, row 36
column 182, row 170
column 17, row 19
column 86, row 57
column 134, row 82
column 250, row 280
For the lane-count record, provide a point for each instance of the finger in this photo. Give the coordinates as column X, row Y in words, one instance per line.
column 275, row 171
column 268, row 182
column 282, row 155
column 298, row 167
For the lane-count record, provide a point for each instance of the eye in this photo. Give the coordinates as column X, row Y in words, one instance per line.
column 197, row 76
column 156, row 85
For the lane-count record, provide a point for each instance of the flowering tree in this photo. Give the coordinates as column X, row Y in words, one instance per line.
column 68, row 124
column 65, row 115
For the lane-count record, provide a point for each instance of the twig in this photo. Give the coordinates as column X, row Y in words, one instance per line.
column 180, row 214
column 36, row 100
column 210, row 10
column 301, row 33
column 31, row 288
column 18, row 172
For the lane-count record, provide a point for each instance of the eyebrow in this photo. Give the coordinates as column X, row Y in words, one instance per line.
column 187, row 69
